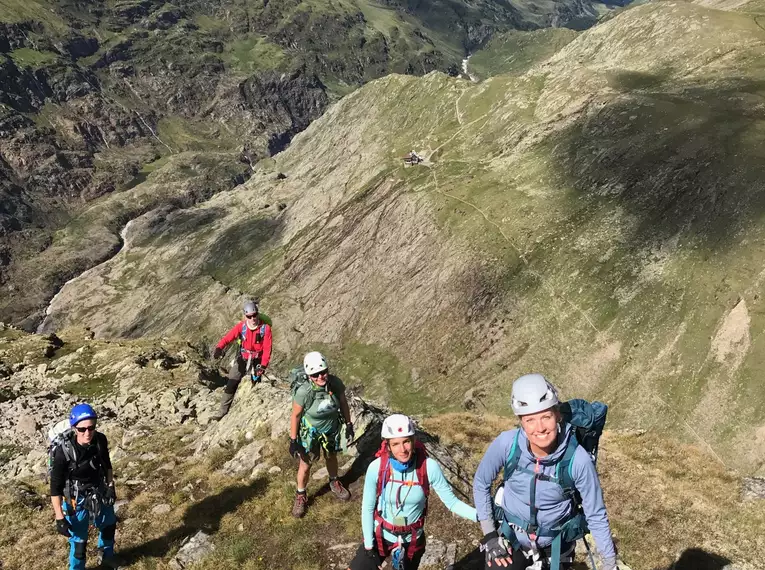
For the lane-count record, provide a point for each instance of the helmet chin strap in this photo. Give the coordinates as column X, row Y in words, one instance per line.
column 252, row 326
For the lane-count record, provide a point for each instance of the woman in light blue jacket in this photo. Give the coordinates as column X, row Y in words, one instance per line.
column 542, row 520
column 395, row 502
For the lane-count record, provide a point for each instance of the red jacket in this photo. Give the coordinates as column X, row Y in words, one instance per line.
column 253, row 344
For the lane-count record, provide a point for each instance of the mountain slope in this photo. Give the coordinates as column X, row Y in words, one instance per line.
column 234, row 481
column 92, row 95
column 595, row 218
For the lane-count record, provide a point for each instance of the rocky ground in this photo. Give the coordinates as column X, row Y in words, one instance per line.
column 199, row 494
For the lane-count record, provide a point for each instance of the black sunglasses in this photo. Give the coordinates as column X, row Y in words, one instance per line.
column 84, row 429
column 255, row 316
column 322, row 373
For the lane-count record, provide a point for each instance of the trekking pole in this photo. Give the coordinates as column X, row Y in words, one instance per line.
column 589, row 553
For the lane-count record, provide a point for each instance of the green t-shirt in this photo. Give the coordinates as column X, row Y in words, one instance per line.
column 324, row 412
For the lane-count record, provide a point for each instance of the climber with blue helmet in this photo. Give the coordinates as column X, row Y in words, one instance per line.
column 82, row 487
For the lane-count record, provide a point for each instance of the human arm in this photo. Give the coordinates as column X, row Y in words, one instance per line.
column 230, row 336
column 588, row 484
column 297, row 412
column 265, row 356
column 492, row 463
column 57, row 483
column 369, row 504
column 445, row 492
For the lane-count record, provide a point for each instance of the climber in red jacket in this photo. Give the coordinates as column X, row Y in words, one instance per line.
column 253, row 356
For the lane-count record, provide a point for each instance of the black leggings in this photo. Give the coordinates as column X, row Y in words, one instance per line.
column 363, row 562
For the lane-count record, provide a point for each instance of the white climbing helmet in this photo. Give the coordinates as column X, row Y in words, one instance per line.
column 314, row 362
column 397, row 425
column 532, row 393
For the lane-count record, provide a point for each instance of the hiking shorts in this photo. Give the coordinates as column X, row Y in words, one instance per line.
column 313, row 441
column 363, row 562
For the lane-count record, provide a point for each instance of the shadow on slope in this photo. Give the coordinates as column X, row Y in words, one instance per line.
column 204, row 516
column 681, row 156
column 698, row 559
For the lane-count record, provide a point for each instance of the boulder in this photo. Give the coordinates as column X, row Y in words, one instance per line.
column 192, row 550
column 161, row 509
column 245, row 460
column 27, row 425
column 753, row 488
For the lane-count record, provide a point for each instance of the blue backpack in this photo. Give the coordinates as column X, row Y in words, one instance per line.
column 587, row 420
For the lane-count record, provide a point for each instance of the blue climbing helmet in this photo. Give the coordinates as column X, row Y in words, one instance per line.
column 81, row 412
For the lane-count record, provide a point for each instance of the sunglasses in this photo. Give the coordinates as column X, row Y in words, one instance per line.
column 255, row 316
column 322, row 373
column 84, row 429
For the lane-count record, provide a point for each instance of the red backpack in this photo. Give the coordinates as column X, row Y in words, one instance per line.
column 383, row 476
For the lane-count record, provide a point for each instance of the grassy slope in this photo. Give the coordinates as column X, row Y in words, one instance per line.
column 653, row 487
column 516, row 52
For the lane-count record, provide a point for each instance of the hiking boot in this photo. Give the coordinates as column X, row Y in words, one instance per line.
column 112, row 562
column 300, row 505
column 340, row 492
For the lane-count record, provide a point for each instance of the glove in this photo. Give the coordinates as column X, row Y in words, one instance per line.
column 373, row 555
column 217, row 353
column 110, row 496
column 496, row 551
column 296, row 450
column 257, row 373
column 349, row 433
column 63, row 527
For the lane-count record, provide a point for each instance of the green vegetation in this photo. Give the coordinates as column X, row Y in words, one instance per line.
column 26, row 57
column 183, row 134
column 516, row 52
column 38, row 10
column 253, row 54
column 91, row 386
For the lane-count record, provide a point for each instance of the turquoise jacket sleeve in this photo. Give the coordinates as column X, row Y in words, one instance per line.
column 368, row 503
column 445, row 492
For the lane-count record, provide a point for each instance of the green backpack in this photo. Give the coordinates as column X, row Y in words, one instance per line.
column 298, row 377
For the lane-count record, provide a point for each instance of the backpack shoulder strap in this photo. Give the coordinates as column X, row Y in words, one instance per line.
column 511, row 463
column 382, row 472
column 564, row 471
column 421, row 468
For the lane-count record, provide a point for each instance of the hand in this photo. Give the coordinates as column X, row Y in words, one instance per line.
column 217, row 353
column 296, row 449
column 373, row 555
column 349, row 433
column 111, row 495
column 496, row 551
column 63, row 527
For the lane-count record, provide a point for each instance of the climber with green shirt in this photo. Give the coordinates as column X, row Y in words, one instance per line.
column 319, row 410
column 395, row 503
